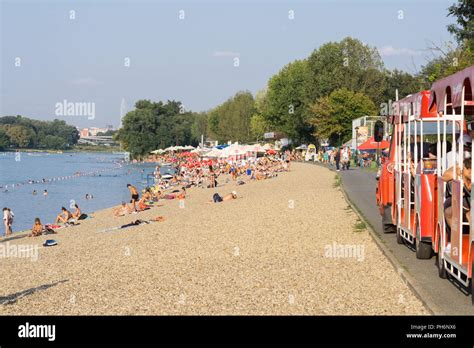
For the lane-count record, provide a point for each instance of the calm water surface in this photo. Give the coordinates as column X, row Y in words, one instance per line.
column 107, row 184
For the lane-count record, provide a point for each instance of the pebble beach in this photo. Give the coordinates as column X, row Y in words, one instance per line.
column 289, row 245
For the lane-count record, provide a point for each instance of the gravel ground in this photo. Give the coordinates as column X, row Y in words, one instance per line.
column 288, row 245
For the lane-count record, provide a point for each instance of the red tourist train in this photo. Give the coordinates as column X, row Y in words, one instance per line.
column 425, row 184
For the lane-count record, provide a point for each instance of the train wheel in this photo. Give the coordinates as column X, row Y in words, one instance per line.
column 440, row 264
column 387, row 226
column 400, row 239
column 423, row 250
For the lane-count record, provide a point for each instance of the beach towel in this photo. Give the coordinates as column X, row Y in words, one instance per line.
column 52, row 226
column 50, row 242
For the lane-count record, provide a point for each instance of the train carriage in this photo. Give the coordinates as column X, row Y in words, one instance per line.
column 455, row 245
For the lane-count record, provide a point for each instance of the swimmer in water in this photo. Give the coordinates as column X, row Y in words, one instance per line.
column 45, row 193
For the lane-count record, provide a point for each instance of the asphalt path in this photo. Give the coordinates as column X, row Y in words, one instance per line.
column 447, row 295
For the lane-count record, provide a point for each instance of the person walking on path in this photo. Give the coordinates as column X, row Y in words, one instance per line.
column 337, row 158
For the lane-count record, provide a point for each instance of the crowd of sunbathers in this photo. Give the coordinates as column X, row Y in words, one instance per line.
column 190, row 172
column 65, row 218
column 187, row 173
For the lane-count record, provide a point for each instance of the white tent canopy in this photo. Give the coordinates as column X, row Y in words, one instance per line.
column 213, row 153
column 159, row 151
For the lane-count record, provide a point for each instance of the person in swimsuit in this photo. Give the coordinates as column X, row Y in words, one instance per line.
column 64, row 216
column 77, row 212
column 122, row 210
column 38, row 229
column 182, row 194
column 7, row 221
column 217, row 198
column 134, row 196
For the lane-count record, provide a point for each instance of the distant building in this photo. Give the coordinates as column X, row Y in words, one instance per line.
column 84, row 132
column 93, row 131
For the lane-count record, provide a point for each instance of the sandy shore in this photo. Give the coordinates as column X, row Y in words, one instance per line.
column 275, row 250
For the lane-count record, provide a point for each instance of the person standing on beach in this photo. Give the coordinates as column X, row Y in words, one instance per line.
column 134, row 196
column 7, row 221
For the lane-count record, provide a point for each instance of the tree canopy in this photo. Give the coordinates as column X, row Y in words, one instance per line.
column 231, row 119
column 332, row 115
column 23, row 132
column 347, row 64
column 155, row 125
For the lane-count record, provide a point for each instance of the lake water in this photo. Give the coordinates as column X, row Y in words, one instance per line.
column 106, row 181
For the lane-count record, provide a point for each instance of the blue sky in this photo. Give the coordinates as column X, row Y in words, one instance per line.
column 191, row 59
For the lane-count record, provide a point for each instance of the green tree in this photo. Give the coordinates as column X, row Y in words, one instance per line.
column 402, row 81
column 20, row 136
column 346, row 64
column 258, row 123
column 199, row 126
column 231, row 120
column 4, row 140
column 285, row 104
column 36, row 131
column 53, row 142
column 332, row 115
column 138, row 132
column 155, row 125
column 447, row 64
column 463, row 10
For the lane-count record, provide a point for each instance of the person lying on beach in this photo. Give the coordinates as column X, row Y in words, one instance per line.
column 122, row 210
column 135, row 223
column 182, row 194
column 38, row 229
column 64, row 216
column 134, row 196
column 217, row 198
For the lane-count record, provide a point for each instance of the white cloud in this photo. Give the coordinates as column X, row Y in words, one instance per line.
column 86, row 81
column 392, row 51
column 225, row 54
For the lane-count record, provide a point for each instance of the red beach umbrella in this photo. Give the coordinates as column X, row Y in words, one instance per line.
column 371, row 144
